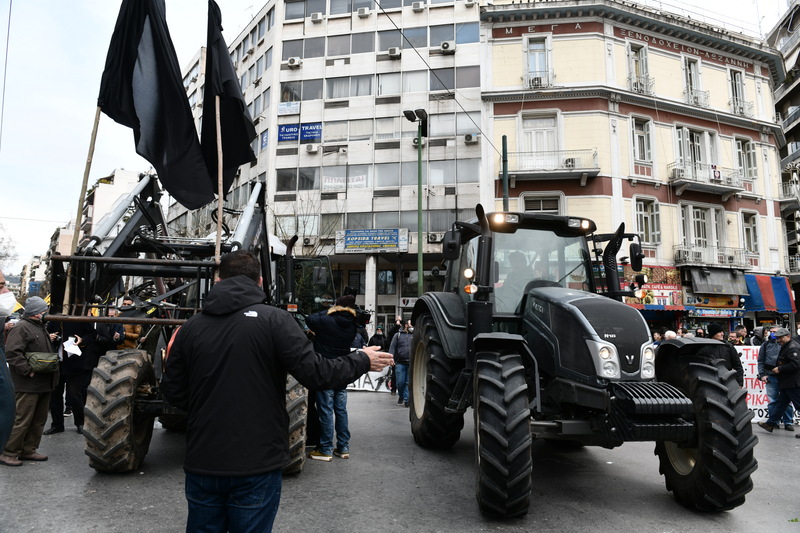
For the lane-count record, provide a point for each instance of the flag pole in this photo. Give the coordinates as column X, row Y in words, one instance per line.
column 219, row 183
column 79, row 214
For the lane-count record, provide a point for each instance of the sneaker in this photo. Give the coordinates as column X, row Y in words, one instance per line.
column 319, row 456
column 788, row 427
column 344, row 454
column 766, row 426
column 399, row 401
column 68, row 411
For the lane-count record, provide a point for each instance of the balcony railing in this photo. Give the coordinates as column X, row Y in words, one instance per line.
column 698, row 98
column 553, row 160
column 539, row 79
column 741, row 107
column 641, row 84
column 791, row 117
column 789, row 190
column 705, row 177
column 711, row 256
column 793, row 263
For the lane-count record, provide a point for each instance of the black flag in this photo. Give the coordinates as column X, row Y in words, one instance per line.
column 235, row 122
column 142, row 88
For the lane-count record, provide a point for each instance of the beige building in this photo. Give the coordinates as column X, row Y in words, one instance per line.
column 630, row 115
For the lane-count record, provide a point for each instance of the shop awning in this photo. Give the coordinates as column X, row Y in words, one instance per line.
column 769, row 293
column 718, row 281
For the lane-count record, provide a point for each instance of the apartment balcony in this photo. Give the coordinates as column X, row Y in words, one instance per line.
column 698, row 98
column 704, row 177
column 539, row 79
column 641, row 84
column 741, row 107
column 711, row 256
column 789, row 196
column 553, row 164
column 793, row 264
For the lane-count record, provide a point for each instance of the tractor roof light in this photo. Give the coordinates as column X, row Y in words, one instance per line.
column 469, row 273
column 506, row 218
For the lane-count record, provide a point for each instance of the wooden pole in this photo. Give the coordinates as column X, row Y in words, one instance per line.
column 219, row 186
column 79, row 215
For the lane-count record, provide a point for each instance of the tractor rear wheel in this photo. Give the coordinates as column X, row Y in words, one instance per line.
column 432, row 377
column 712, row 473
column 502, row 435
column 297, row 407
column 117, row 435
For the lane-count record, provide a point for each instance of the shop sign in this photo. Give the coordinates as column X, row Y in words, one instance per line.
column 663, row 285
column 715, row 313
column 370, row 241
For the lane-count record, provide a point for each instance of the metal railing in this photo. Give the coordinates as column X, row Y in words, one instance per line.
column 698, row 98
column 705, row 173
column 791, row 117
column 539, row 79
column 793, row 263
column 641, row 84
column 789, row 190
column 552, row 160
column 741, row 107
column 716, row 256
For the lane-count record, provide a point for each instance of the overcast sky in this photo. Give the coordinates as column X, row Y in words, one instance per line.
column 56, row 52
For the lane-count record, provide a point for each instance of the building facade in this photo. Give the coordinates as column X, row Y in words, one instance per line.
column 618, row 112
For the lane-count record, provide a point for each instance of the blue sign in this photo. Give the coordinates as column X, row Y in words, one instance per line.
column 372, row 241
column 264, row 139
column 311, row 132
column 288, row 132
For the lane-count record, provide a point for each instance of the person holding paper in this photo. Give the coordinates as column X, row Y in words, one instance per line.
column 72, row 339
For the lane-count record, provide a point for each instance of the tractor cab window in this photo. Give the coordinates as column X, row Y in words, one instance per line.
column 456, row 280
column 529, row 259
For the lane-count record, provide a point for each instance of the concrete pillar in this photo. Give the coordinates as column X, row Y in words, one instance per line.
column 371, row 290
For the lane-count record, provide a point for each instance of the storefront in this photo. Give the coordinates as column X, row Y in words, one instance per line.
column 770, row 300
column 662, row 305
column 713, row 295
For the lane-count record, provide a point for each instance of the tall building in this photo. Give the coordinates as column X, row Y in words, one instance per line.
column 612, row 110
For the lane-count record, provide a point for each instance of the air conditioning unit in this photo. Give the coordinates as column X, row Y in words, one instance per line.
column 309, row 241
column 363, row 12
column 434, row 237
column 535, row 83
column 417, row 141
column 469, row 3
column 569, row 162
column 250, row 51
column 418, row 6
column 312, row 148
column 471, row 138
column 678, row 174
column 696, row 100
column 638, row 87
column 316, row 17
column 395, row 52
column 193, row 79
column 448, row 47
column 294, row 62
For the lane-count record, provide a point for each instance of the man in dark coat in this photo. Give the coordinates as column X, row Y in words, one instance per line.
column 334, row 330
column 7, row 410
column 767, row 360
column 227, row 368
column 723, row 351
column 379, row 339
column 787, row 369
column 32, row 390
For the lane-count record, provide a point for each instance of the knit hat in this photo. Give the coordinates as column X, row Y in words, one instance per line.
column 713, row 329
column 348, row 300
column 34, row 305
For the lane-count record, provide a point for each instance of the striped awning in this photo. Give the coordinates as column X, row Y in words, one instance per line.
column 769, row 293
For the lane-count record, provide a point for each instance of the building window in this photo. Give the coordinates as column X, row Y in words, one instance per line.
column 641, row 140
column 359, row 220
column 292, row 48
column 750, row 232
column 637, row 66
column 291, row 91
column 443, row 79
column 285, row 226
column 330, row 223
column 386, row 283
column 295, row 10
column 339, row 45
column 538, row 65
column 648, row 221
column 363, row 43
column 702, row 227
column 541, row 204
column 737, row 92
column 356, row 279
column 415, row 37
column 312, row 89
column 746, row 159
column 697, row 150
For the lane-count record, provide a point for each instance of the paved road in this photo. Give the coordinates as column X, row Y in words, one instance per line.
column 392, row 485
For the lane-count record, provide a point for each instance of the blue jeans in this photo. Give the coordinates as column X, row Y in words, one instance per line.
column 401, row 376
column 330, row 403
column 786, row 396
column 772, row 393
column 232, row 503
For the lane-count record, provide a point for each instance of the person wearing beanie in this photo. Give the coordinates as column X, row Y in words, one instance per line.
column 787, row 369
column 32, row 396
column 723, row 351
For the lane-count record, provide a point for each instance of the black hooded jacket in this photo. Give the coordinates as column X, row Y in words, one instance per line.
column 227, row 368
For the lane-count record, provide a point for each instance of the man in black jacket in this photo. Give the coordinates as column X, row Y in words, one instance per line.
column 227, row 368
column 723, row 351
column 787, row 370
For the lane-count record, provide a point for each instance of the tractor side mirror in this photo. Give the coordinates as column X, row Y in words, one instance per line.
column 451, row 244
column 636, row 256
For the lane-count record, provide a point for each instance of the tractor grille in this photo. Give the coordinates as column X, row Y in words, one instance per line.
column 651, row 398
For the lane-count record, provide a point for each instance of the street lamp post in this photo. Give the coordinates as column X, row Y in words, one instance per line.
column 420, row 116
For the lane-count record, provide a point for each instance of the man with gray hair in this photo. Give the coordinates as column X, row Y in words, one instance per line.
column 32, row 390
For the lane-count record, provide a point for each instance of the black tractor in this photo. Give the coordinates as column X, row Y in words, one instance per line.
column 530, row 331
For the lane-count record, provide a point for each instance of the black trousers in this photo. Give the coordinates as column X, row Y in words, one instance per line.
column 75, row 399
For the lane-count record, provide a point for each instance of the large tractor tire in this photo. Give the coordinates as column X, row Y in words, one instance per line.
column 713, row 473
column 502, row 435
column 297, row 407
column 117, row 436
column 432, row 377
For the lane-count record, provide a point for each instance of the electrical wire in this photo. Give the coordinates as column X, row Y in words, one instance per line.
column 5, row 74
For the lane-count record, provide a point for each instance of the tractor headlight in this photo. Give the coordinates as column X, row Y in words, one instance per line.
column 605, row 358
column 610, row 369
column 648, row 370
column 649, row 354
column 605, row 353
column 469, row 273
